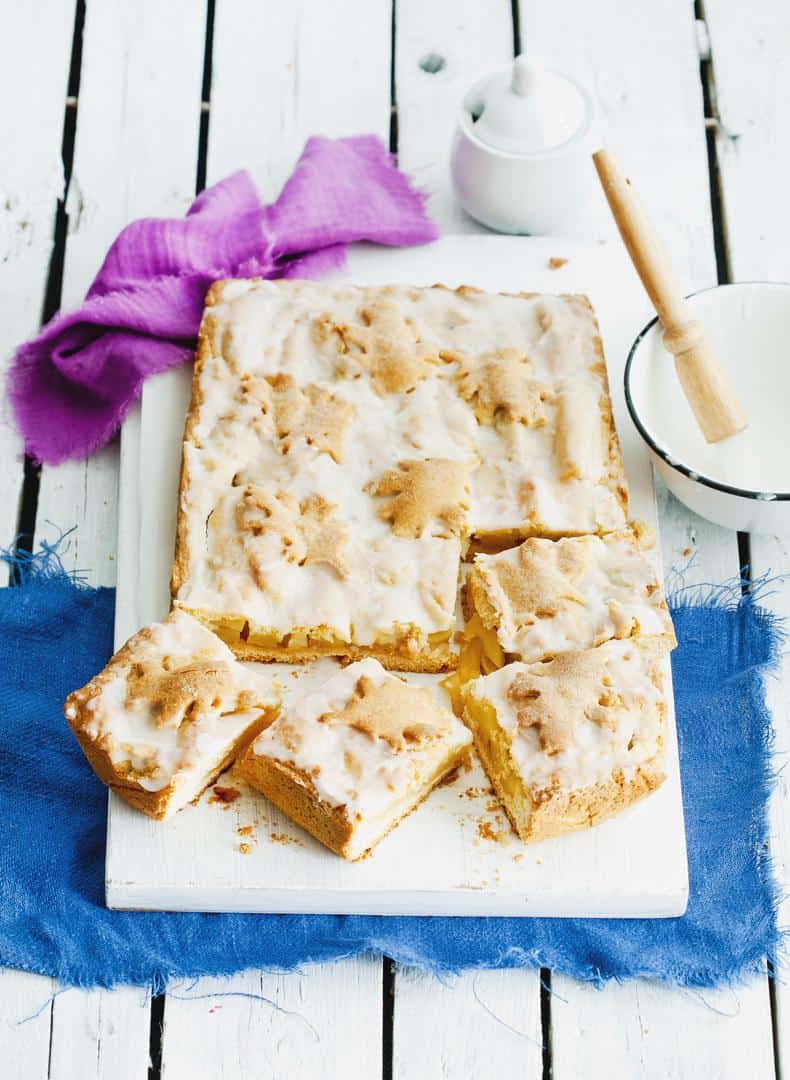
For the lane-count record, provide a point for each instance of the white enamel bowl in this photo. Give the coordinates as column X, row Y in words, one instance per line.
column 742, row 483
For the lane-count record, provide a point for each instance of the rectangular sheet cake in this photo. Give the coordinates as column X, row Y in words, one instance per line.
column 345, row 446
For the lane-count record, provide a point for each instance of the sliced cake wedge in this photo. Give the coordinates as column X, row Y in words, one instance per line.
column 349, row 760
column 168, row 713
column 568, row 742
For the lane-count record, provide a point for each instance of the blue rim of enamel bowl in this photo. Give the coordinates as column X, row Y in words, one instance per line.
column 660, row 451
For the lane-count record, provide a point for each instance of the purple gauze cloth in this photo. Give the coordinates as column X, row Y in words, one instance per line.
column 72, row 385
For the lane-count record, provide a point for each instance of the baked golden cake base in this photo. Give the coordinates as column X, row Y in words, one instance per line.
column 304, row 646
column 351, row 760
column 164, row 803
column 170, row 711
column 293, row 792
column 572, row 741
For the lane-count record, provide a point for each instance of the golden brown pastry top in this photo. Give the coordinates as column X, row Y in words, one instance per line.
column 582, row 718
column 171, row 701
column 549, row 596
column 387, row 424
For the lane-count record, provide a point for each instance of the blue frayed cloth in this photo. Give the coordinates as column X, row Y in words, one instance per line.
column 55, row 635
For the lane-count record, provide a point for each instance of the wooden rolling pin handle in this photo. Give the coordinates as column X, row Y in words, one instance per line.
column 705, row 382
column 682, row 337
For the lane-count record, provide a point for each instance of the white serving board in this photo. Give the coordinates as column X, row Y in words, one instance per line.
column 455, row 855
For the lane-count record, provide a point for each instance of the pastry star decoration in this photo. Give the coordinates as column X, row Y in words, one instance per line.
column 401, row 715
column 308, row 531
column 177, row 695
column 312, row 414
column 384, row 344
column 501, row 384
column 424, row 491
column 556, row 696
column 541, row 585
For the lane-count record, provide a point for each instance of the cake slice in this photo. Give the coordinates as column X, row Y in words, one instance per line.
column 168, row 713
column 348, row 761
column 552, row 596
column 568, row 742
column 550, row 458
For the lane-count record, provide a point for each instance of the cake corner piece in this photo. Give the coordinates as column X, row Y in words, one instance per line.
column 167, row 714
column 571, row 741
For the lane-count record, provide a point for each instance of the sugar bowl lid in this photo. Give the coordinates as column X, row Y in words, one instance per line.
column 528, row 109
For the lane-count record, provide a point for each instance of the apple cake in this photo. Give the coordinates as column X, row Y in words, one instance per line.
column 345, row 446
column 570, row 741
column 168, row 713
column 551, row 596
column 348, row 761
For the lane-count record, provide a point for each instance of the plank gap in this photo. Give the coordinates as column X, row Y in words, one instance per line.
column 51, row 1031
column 773, row 1007
column 205, row 98
column 393, row 133
column 54, row 286
column 26, row 519
column 545, row 1023
column 516, row 16
column 28, row 502
column 711, row 119
column 745, row 561
column 387, row 1016
column 155, row 1036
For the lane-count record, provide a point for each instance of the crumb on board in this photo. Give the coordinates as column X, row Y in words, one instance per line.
column 555, row 262
column 245, row 849
column 476, row 792
column 493, row 806
column 224, row 795
column 518, row 856
column 245, row 830
column 486, row 831
column 284, row 838
column 686, row 552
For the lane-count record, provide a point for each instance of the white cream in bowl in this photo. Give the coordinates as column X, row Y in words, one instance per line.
column 742, row 482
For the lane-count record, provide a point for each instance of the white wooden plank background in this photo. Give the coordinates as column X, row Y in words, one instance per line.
column 31, row 182
column 754, row 154
column 324, row 1020
column 280, row 75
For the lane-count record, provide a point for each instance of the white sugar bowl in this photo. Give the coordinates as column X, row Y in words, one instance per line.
column 521, row 157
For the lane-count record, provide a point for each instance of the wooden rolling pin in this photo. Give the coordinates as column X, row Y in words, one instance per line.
column 705, row 382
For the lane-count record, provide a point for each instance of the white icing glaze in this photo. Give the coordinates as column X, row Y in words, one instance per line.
column 395, row 582
column 373, row 780
column 181, row 753
column 596, row 751
column 614, row 592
